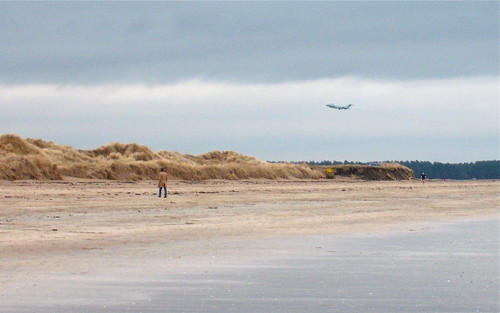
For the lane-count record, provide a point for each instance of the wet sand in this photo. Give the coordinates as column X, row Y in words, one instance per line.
column 56, row 237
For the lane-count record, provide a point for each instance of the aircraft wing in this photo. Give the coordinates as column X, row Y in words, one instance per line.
column 333, row 106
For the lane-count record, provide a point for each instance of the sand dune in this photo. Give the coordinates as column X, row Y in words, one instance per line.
column 39, row 159
column 43, row 160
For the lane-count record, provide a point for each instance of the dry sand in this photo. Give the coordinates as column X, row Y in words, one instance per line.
column 46, row 224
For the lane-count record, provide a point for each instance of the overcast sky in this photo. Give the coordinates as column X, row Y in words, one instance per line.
column 254, row 77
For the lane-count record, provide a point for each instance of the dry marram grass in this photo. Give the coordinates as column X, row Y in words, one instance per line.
column 39, row 159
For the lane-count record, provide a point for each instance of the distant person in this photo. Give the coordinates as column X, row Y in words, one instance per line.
column 162, row 182
column 423, row 176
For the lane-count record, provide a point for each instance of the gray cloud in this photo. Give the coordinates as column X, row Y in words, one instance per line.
column 164, row 42
column 254, row 77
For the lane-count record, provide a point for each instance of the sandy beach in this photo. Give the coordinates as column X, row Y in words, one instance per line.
column 48, row 218
column 55, row 229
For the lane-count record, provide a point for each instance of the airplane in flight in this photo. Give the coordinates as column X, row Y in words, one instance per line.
column 339, row 107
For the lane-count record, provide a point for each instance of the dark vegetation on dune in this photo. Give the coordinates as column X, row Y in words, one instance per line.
column 44, row 160
column 385, row 171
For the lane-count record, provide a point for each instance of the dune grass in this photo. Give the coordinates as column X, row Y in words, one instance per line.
column 38, row 159
column 45, row 160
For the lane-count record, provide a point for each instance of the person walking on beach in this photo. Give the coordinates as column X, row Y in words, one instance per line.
column 162, row 182
column 423, row 176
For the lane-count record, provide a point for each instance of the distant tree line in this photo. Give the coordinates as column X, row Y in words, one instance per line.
column 475, row 170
